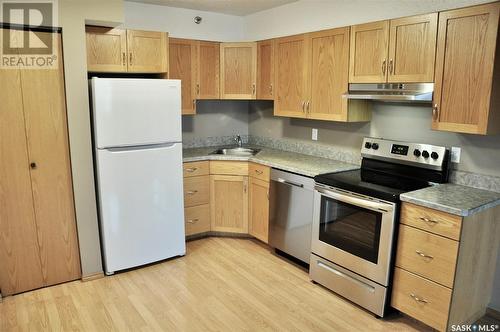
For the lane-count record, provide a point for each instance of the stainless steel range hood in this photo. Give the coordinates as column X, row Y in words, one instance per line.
column 392, row 92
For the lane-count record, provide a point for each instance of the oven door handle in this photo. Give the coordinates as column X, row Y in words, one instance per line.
column 343, row 197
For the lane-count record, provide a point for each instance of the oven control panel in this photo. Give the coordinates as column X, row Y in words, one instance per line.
column 424, row 155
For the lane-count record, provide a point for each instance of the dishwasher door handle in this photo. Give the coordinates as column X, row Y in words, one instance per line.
column 290, row 183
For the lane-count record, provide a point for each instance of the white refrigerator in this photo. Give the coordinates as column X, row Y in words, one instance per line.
column 138, row 156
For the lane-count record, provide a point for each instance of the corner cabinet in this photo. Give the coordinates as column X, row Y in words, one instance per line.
column 312, row 77
column 238, row 70
column 229, row 196
column 196, row 64
column 400, row 50
column 466, row 93
column 120, row 51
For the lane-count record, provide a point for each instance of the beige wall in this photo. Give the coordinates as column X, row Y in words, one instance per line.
column 72, row 17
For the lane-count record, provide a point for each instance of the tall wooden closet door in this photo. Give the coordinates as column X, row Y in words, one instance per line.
column 19, row 259
column 46, row 131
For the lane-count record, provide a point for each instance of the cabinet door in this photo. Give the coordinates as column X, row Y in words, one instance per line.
column 106, row 50
column 265, row 69
column 229, row 203
column 291, row 65
column 19, row 254
column 464, row 68
column 182, row 63
column 369, row 46
column 47, row 141
column 147, row 51
column 259, row 209
column 207, row 85
column 412, row 49
column 329, row 75
column 238, row 72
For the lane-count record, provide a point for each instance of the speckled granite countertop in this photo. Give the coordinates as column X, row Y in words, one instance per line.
column 452, row 198
column 288, row 161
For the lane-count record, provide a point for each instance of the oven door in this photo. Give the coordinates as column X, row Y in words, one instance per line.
column 353, row 231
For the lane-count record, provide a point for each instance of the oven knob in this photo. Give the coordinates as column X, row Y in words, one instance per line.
column 368, row 145
column 417, row 153
column 375, row 146
column 425, row 154
column 434, row 155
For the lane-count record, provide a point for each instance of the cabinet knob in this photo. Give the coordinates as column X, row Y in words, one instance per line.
column 33, row 165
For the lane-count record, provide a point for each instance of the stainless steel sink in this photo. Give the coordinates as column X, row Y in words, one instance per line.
column 243, row 152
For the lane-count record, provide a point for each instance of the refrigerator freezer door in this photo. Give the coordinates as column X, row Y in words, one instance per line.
column 130, row 112
column 141, row 205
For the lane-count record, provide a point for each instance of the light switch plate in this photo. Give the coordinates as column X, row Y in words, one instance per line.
column 455, row 154
column 315, row 134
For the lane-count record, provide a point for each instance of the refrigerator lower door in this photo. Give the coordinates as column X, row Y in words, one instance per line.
column 141, row 205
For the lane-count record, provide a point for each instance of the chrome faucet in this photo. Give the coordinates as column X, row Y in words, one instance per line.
column 237, row 138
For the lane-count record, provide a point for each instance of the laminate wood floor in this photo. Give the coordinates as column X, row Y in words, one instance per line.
column 222, row 284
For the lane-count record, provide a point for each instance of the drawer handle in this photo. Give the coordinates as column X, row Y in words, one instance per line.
column 192, row 221
column 191, row 192
column 427, row 220
column 421, row 254
column 258, row 172
column 191, row 170
column 418, row 299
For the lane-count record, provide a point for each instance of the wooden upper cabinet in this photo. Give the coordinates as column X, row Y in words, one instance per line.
column 106, row 49
column 291, row 65
column 465, row 75
column 238, row 70
column 369, row 47
column 265, row 70
column 329, row 75
column 208, row 54
column 182, row 63
column 118, row 50
column 147, row 51
column 412, row 49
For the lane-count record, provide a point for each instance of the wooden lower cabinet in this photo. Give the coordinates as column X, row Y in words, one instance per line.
column 259, row 209
column 197, row 219
column 445, row 265
column 229, row 203
column 238, row 196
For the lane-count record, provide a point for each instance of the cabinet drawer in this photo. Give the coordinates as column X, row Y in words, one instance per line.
column 430, row 220
column 197, row 219
column 196, row 190
column 431, row 256
column 421, row 299
column 229, row 168
column 195, row 168
column 259, row 171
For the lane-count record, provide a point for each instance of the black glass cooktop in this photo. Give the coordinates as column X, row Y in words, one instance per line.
column 381, row 179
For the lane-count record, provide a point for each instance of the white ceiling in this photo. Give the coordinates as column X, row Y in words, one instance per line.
column 230, row 7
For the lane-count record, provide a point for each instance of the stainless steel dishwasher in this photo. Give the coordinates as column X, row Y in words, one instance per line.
column 291, row 213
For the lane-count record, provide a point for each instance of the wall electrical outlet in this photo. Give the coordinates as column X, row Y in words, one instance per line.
column 455, row 154
column 315, row 134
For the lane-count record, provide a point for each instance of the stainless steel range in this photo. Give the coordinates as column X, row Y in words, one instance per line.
column 356, row 214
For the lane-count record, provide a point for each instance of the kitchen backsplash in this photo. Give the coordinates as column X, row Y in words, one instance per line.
column 470, row 179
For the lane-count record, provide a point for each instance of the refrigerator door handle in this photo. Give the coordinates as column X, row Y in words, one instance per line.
column 139, row 147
